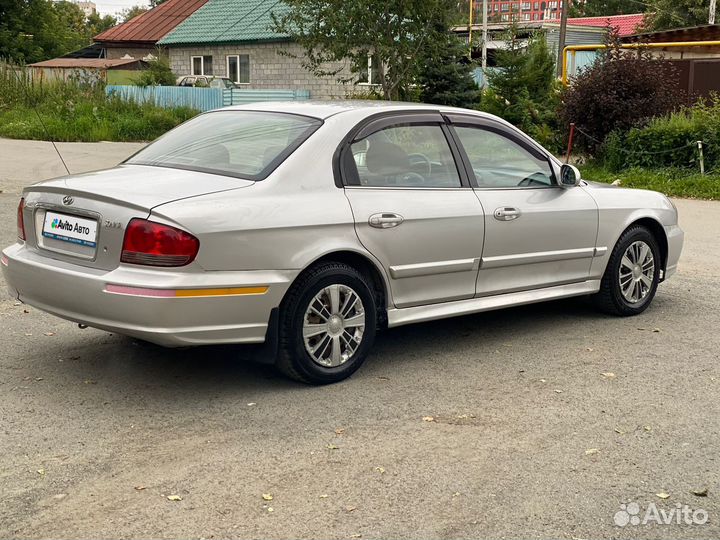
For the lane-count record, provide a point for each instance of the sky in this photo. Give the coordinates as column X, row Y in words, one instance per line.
column 113, row 7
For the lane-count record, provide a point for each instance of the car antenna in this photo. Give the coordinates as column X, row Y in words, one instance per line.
column 37, row 113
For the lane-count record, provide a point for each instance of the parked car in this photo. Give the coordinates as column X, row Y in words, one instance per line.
column 202, row 81
column 311, row 226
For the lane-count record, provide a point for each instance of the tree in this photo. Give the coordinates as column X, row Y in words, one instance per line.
column 599, row 8
column 447, row 79
column 132, row 12
column 157, row 73
column 621, row 90
column 34, row 30
column 97, row 23
column 156, row 3
column 667, row 14
column 400, row 35
column 523, row 89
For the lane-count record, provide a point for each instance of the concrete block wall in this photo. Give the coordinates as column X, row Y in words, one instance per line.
column 269, row 69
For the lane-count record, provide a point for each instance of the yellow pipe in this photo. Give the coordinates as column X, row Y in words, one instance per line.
column 661, row 45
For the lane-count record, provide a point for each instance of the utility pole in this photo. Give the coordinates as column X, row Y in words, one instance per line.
column 563, row 31
column 470, row 23
column 711, row 18
column 484, row 37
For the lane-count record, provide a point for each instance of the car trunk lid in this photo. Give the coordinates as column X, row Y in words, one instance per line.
column 83, row 218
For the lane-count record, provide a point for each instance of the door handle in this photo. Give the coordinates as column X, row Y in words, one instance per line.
column 385, row 220
column 506, row 213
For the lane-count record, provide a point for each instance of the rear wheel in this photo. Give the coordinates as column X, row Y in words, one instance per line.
column 632, row 274
column 327, row 324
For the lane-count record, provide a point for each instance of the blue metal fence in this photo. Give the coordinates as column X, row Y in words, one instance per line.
column 203, row 99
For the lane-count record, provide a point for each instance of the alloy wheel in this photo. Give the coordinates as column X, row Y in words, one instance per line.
column 637, row 271
column 333, row 325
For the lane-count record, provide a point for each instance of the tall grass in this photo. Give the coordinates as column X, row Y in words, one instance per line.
column 77, row 110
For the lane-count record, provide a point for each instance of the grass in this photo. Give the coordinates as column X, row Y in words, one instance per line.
column 77, row 110
column 673, row 182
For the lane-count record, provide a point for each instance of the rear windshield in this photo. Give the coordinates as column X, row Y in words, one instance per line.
column 245, row 144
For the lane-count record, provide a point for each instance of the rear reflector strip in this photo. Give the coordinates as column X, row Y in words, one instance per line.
column 4, row 260
column 183, row 293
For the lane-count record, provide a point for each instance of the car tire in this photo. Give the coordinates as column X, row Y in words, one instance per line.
column 632, row 274
column 328, row 322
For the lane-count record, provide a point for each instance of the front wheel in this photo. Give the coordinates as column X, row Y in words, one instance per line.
column 632, row 274
column 327, row 324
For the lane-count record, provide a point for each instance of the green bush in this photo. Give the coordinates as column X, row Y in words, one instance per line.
column 77, row 110
column 669, row 141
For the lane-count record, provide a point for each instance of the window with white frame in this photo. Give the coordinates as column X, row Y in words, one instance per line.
column 238, row 68
column 201, row 65
column 505, row 17
column 536, row 6
column 526, row 6
column 372, row 74
column 504, row 7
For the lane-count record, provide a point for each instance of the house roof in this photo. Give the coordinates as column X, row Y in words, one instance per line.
column 625, row 25
column 152, row 25
column 704, row 32
column 228, row 21
column 97, row 63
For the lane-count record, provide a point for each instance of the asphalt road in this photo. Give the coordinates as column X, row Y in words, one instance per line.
column 545, row 419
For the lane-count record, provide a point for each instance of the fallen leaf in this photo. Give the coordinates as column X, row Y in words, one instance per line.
column 591, row 451
column 332, row 447
column 618, row 430
column 700, row 492
column 358, row 535
column 608, row 375
column 339, row 431
column 350, row 508
column 270, row 509
column 139, row 488
column 41, row 472
column 463, row 416
column 656, row 330
column 428, row 419
column 381, row 470
column 267, row 497
column 323, row 496
column 663, row 495
column 543, row 380
column 49, row 333
column 589, row 349
column 558, row 391
column 647, row 428
column 174, row 498
column 456, row 494
column 26, row 311
column 28, row 335
column 383, row 378
column 251, row 404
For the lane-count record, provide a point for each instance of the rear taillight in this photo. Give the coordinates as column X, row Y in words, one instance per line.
column 20, row 220
column 155, row 244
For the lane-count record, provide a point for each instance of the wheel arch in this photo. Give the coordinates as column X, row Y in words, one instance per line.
column 658, row 232
column 364, row 263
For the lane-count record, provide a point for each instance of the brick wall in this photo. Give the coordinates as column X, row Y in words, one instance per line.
column 268, row 68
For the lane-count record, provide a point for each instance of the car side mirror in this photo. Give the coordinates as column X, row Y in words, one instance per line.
column 569, row 175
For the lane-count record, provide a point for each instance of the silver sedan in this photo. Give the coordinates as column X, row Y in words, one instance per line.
column 308, row 227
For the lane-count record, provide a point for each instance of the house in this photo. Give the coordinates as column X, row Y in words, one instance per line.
column 519, row 10
column 110, row 71
column 231, row 38
column 139, row 36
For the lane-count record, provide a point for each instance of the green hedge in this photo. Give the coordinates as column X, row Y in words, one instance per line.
column 669, row 141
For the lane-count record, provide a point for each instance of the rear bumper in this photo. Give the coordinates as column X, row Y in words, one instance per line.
column 80, row 294
column 675, row 238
